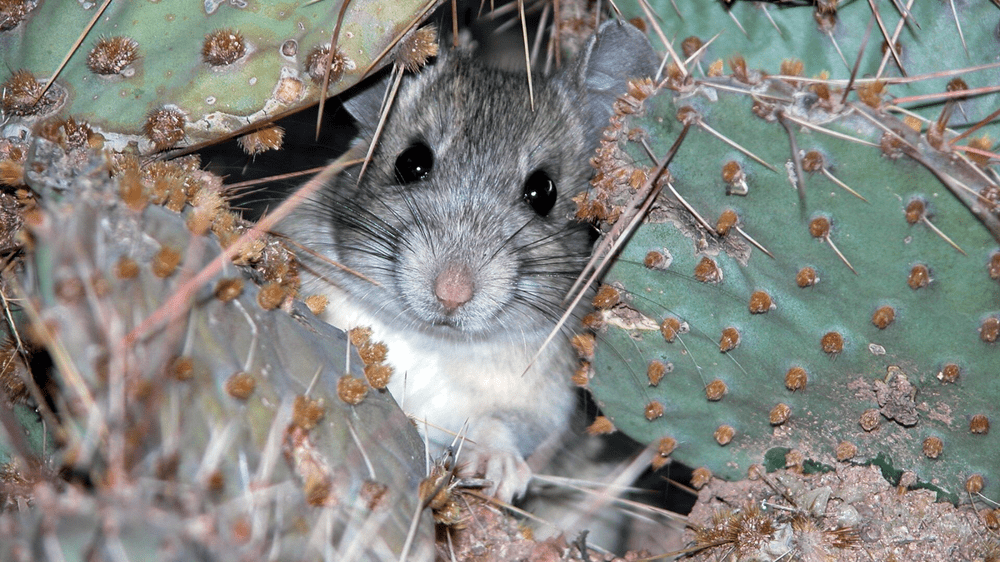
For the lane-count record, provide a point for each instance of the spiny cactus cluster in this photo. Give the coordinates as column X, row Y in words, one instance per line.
column 824, row 293
column 818, row 280
column 240, row 428
column 158, row 75
column 938, row 42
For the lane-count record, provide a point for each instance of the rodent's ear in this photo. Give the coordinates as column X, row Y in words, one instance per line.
column 365, row 105
column 616, row 53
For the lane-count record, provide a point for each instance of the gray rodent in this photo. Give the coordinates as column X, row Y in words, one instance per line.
column 464, row 217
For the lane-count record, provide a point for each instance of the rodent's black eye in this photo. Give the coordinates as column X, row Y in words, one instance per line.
column 414, row 163
column 540, row 192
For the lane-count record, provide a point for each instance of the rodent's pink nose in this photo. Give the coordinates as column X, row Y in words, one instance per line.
column 453, row 286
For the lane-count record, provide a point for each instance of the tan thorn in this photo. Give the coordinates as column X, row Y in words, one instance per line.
column 842, row 184
column 840, row 254
column 734, row 144
column 754, row 242
column 937, row 230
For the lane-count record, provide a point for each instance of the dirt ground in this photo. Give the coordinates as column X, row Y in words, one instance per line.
column 852, row 514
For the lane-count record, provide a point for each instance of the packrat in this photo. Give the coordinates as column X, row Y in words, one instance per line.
column 464, row 218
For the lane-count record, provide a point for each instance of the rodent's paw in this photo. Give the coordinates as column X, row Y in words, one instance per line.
column 491, row 453
column 506, row 470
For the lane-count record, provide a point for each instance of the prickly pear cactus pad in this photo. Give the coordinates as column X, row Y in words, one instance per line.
column 164, row 74
column 940, row 41
column 869, row 332
column 243, row 430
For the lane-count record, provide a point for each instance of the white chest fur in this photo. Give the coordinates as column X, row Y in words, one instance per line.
column 454, row 384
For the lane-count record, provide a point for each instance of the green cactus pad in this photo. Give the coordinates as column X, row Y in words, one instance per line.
column 267, row 80
column 900, row 372
column 932, row 54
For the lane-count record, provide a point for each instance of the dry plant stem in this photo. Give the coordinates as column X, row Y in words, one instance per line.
column 975, row 127
column 905, row 11
column 387, row 101
column 62, row 360
column 341, row 266
column 72, row 50
column 948, row 95
column 556, row 33
column 659, row 32
column 734, row 144
column 829, row 33
column 179, row 302
column 606, row 241
column 697, row 54
column 754, row 242
column 830, row 132
column 329, row 64
column 895, row 35
column 511, row 508
column 800, row 181
column 527, row 54
column 617, row 237
column 773, row 23
column 978, row 151
column 428, row 6
column 891, row 79
column 843, row 185
column 938, row 231
column 962, row 191
column 269, row 179
column 542, row 22
column 738, row 24
column 637, row 510
column 454, row 23
column 885, row 35
column 701, row 220
column 958, row 24
column 601, row 498
column 857, row 62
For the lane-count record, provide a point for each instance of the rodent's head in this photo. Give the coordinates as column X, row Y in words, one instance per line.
column 464, row 215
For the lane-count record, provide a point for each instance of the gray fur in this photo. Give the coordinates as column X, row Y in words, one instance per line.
column 486, row 142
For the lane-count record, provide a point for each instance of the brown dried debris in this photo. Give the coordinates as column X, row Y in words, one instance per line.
column 601, row 426
column 416, row 48
column 896, row 397
column 112, row 55
column 796, row 378
column 653, row 410
column 724, row 434
column 223, row 47
column 165, row 127
column 715, row 390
